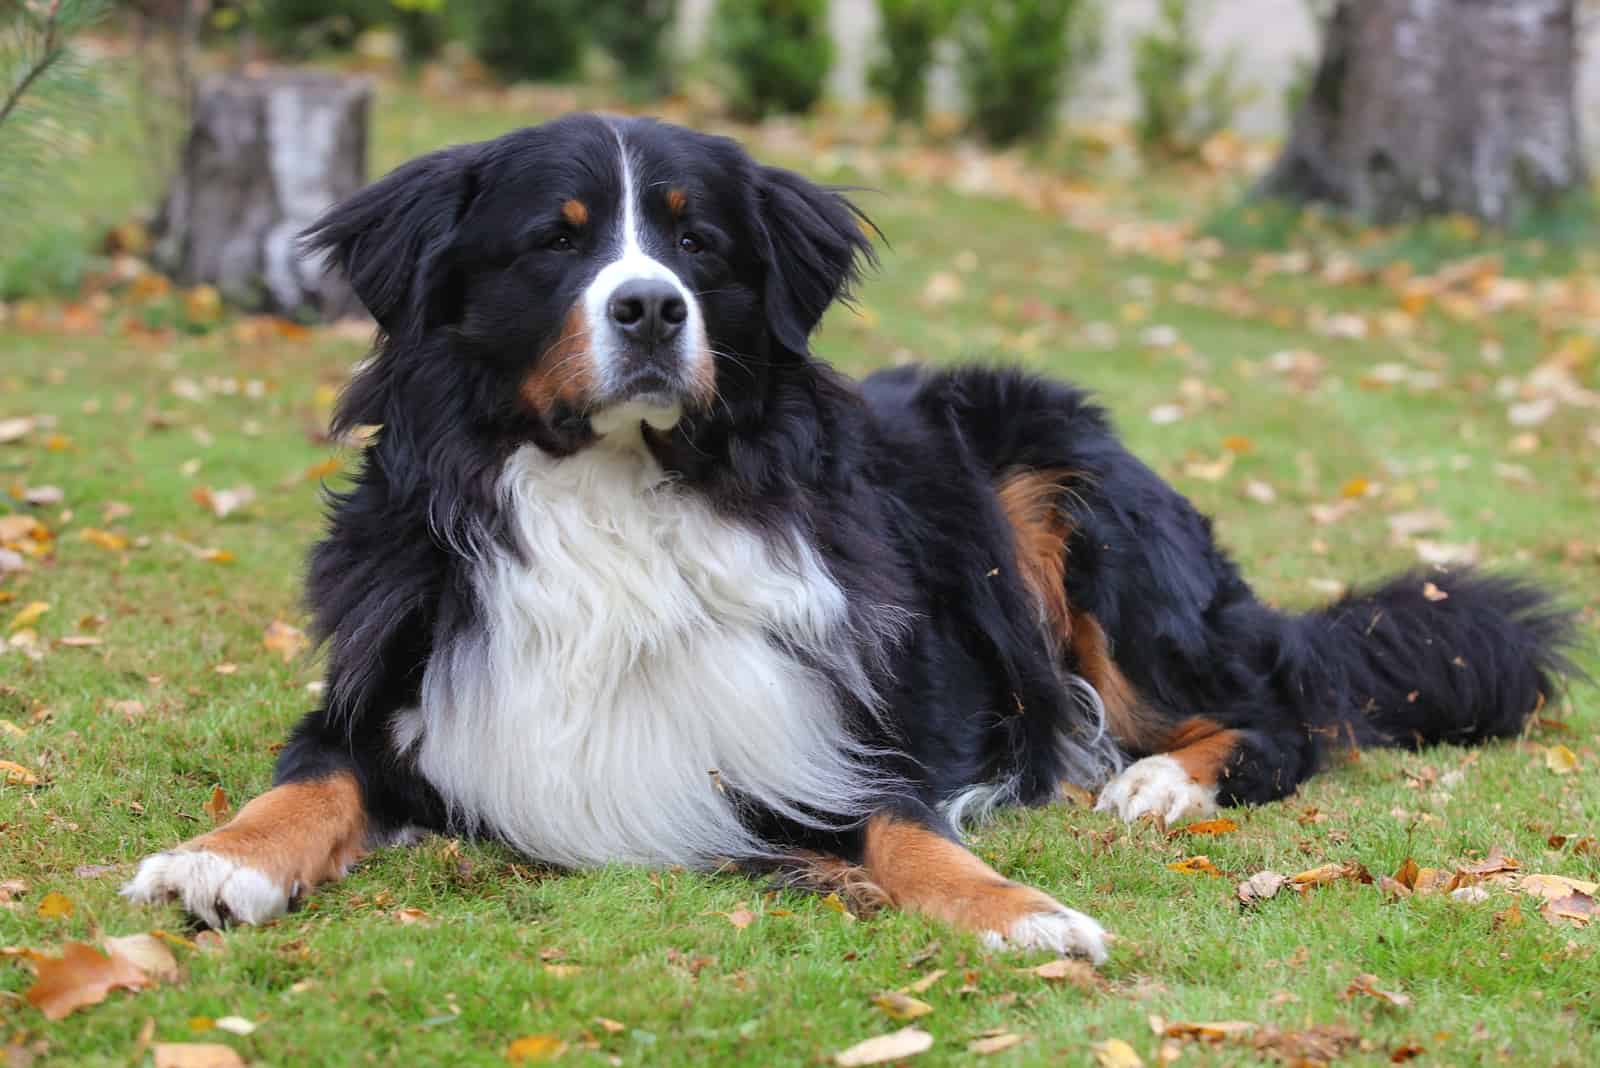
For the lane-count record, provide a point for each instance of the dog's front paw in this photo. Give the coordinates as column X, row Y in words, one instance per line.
column 1160, row 786
column 212, row 888
column 1062, row 931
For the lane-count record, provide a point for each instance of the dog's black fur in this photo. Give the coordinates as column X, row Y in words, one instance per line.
column 894, row 481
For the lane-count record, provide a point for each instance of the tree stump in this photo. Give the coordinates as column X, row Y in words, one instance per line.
column 265, row 156
column 1437, row 106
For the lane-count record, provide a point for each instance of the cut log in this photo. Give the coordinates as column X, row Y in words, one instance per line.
column 1422, row 107
column 265, row 156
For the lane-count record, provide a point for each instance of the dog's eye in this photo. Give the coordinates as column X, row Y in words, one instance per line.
column 691, row 243
column 560, row 243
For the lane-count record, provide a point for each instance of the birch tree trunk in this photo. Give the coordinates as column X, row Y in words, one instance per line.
column 265, row 156
column 1434, row 106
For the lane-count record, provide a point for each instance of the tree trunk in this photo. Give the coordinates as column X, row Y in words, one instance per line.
column 1435, row 106
column 265, row 156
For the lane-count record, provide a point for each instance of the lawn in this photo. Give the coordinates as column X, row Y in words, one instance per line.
column 1338, row 421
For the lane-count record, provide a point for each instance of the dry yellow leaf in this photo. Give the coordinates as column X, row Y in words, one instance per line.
column 995, row 1043
column 195, row 1055
column 105, row 539
column 1551, row 887
column 1115, row 1053
column 901, row 1007
column 1560, row 759
column 81, row 976
column 56, row 906
column 1197, row 865
column 287, row 641
column 1210, row 827
column 535, row 1049
column 898, row 1045
column 29, row 615
column 148, row 953
column 14, row 774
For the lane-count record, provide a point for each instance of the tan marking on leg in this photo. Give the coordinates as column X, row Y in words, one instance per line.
column 565, row 371
column 924, row 872
column 1028, row 499
column 575, row 212
column 1203, row 747
column 299, row 835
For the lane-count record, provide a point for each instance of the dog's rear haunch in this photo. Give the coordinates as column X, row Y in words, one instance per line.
column 627, row 575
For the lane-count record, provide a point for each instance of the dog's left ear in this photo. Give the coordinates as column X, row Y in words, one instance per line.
column 813, row 242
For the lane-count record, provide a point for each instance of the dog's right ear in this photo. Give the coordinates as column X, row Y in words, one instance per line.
column 390, row 239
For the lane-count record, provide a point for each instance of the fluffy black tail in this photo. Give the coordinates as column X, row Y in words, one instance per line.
column 1443, row 656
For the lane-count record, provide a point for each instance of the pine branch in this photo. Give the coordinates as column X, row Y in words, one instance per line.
column 48, row 54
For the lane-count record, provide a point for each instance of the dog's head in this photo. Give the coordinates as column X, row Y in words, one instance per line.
column 596, row 272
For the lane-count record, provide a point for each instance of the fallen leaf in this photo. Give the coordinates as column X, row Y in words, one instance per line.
column 81, row 976
column 922, row 985
column 740, row 917
column 195, row 1055
column 1328, row 873
column 44, row 496
column 105, row 539
column 982, row 1047
column 148, row 953
column 1560, row 759
column 1198, row 865
column 288, row 642
column 1210, row 827
column 1508, row 918
column 1551, row 887
column 29, row 615
column 901, row 1007
column 563, row 971
column 223, row 503
column 1115, row 1053
column 1469, row 895
column 535, row 1049
column 1406, row 874
column 234, row 1025
column 217, row 806
column 15, row 429
column 55, row 906
column 1260, row 886
column 610, row 1026
column 906, row 1042
column 1576, row 908
column 14, row 774
column 1064, row 969
column 1368, row 985
column 1216, row 1031
column 1314, row 1046
column 412, row 916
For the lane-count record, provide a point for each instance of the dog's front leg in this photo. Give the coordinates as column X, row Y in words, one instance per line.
column 279, row 846
column 922, row 869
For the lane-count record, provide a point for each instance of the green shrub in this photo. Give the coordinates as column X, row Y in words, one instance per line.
column 1018, row 59
column 910, row 31
column 636, row 33
column 304, row 27
column 779, row 52
column 1180, row 104
column 532, row 40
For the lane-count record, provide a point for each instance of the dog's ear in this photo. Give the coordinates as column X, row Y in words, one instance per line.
column 390, row 238
column 813, row 242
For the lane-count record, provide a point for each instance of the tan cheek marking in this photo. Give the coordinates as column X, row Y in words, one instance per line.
column 677, row 202
column 575, row 212
column 1202, row 747
column 299, row 835
column 923, row 872
column 565, row 371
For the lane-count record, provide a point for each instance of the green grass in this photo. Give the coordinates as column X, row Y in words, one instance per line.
column 344, row 982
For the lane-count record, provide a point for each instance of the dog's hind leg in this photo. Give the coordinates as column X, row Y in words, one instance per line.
column 282, row 844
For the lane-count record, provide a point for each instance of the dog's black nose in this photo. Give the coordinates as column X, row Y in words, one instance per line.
column 648, row 310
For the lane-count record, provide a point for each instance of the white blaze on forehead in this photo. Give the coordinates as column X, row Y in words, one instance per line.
column 631, row 264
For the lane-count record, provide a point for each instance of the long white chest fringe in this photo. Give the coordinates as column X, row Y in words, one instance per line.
column 645, row 658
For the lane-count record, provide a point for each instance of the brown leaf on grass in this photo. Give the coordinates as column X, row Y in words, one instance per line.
column 1508, row 918
column 148, row 953
column 1493, row 864
column 288, row 642
column 1318, row 1045
column 217, row 806
column 1551, row 887
column 897, row 1045
column 1330, row 873
column 16, row 428
column 411, row 917
column 563, row 971
column 921, row 986
column 108, row 540
column 1209, row 827
column 1367, row 985
column 14, row 774
column 224, row 502
column 1260, row 887
column 610, row 1026
column 195, row 1055
column 1406, row 874
column 81, row 976
column 1215, row 1031
column 1079, row 973
column 43, row 496
column 995, row 1043
column 1197, row 865
column 901, row 1007
column 1560, row 759
column 1115, row 1053
column 535, row 1049
column 1436, row 881
column 28, row 615
column 55, row 906
column 1577, row 909
column 1408, row 1052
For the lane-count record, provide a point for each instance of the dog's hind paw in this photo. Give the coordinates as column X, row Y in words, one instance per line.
column 213, row 889
column 1157, row 785
column 1062, row 931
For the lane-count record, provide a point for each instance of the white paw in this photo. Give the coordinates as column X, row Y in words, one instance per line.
column 1067, row 933
column 210, row 887
column 1157, row 785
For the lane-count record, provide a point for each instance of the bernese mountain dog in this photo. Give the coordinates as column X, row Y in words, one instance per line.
column 627, row 575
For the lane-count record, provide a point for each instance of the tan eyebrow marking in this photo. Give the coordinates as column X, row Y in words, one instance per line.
column 677, row 200
column 575, row 212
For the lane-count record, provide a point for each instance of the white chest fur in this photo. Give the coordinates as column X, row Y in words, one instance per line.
column 644, row 651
